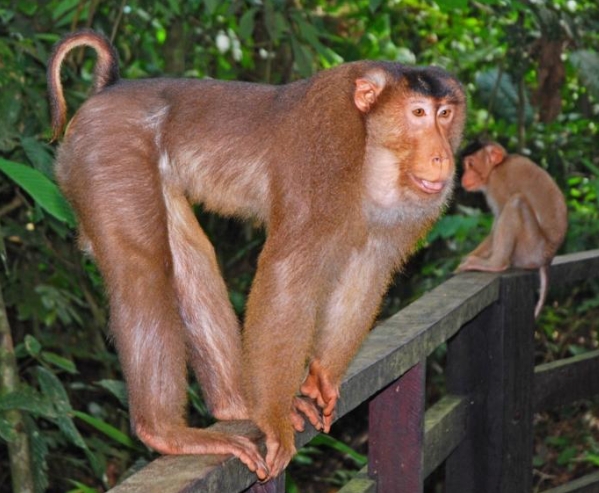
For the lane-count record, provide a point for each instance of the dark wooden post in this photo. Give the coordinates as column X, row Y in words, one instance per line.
column 396, row 434
column 491, row 360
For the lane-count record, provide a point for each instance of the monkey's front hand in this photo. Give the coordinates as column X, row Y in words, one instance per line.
column 318, row 386
column 304, row 407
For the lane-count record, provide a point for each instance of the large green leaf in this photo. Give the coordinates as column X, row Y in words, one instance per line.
column 116, row 388
column 107, row 429
column 7, row 432
column 27, row 399
column 497, row 90
column 41, row 189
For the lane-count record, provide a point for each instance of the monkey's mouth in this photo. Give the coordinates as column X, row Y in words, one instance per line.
column 427, row 186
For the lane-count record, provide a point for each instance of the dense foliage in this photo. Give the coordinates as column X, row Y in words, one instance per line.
column 531, row 69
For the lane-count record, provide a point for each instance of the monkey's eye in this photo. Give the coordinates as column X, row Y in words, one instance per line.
column 419, row 112
column 445, row 113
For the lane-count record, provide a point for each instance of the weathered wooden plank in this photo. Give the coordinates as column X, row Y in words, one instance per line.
column 188, row 473
column 412, row 334
column 567, row 270
column 392, row 348
column 396, row 434
column 194, row 473
column 444, row 429
column 567, row 380
column 574, row 267
column 586, row 484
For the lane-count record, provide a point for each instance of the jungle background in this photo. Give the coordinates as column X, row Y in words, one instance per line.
column 531, row 70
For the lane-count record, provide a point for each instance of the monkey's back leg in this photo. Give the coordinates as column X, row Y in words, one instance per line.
column 520, row 239
column 212, row 328
column 116, row 190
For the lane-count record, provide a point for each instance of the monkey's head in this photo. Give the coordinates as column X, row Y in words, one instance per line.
column 414, row 118
column 479, row 159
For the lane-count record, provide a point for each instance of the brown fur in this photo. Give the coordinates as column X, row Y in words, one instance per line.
column 324, row 163
column 530, row 213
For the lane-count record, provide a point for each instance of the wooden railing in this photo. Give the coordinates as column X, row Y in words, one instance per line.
column 481, row 431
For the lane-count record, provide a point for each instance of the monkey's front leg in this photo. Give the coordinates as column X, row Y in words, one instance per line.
column 349, row 315
column 278, row 338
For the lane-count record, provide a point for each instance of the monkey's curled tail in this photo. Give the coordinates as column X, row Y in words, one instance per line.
column 106, row 71
column 544, row 278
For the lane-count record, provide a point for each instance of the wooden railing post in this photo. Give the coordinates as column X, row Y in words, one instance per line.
column 396, row 434
column 491, row 360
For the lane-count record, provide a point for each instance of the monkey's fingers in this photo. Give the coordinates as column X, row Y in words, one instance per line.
column 314, row 384
column 319, row 386
column 247, row 452
column 309, row 410
column 278, row 456
column 327, row 421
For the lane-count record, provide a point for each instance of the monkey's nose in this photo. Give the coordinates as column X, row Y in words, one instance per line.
column 440, row 160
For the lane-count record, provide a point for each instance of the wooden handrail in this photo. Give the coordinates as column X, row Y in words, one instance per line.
column 497, row 307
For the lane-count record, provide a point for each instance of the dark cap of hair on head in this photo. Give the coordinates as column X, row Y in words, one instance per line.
column 472, row 147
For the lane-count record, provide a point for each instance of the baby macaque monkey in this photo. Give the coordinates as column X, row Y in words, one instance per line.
column 529, row 208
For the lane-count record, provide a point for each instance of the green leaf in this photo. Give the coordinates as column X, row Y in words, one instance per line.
column 116, row 388
column 53, row 389
column 567, row 455
column 27, row 399
column 43, row 191
column 60, row 362
column 27, row 7
column 592, row 458
column 81, row 488
column 63, row 7
column 586, row 62
column 40, row 156
column 301, row 58
column 501, row 95
column 70, row 431
column 39, row 453
column 328, row 441
column 373, row 5
column 7, row 432
column 211, row 5
column 451, row 5
column 107, row 429
column 246, row 24
column 32, row 345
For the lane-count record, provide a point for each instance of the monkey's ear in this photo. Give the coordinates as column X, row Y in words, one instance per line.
column 368, row 89
column 496, row 154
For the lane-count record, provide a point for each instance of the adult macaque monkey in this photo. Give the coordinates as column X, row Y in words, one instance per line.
column 529, row 208
column 346, row 170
